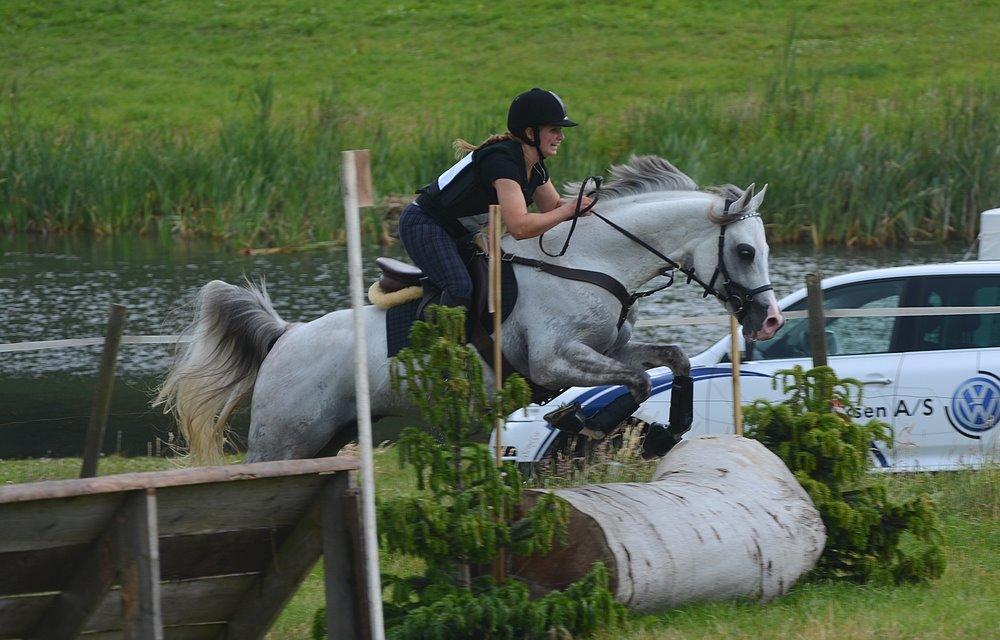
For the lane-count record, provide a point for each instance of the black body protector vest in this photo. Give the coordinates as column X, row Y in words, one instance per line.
column 460, row 198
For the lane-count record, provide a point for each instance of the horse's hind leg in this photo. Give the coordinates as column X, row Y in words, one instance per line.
column 344, row 436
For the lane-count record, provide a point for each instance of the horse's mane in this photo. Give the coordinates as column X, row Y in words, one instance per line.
column 647, row 174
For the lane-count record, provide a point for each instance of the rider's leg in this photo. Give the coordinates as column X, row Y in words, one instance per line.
column 436, row 253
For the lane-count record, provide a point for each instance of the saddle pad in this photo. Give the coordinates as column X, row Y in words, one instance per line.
column 399, row 319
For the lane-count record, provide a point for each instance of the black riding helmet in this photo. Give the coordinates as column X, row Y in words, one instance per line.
column 535, row 109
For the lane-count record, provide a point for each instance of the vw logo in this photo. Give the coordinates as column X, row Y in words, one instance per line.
column 975, row 406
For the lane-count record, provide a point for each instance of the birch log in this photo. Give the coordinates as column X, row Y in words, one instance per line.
column 723, row 518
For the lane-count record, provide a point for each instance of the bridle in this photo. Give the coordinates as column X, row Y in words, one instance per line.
column 734, row 296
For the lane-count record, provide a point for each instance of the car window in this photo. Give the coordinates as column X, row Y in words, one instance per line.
column 845, row 336
column 932, row 333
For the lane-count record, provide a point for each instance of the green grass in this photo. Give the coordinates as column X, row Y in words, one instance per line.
column 185, row 63
column 874, row 122
column 961, row 604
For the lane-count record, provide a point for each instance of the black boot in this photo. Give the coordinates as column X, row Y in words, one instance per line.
column 662, row 438
column 568, row 418
column 571, row 419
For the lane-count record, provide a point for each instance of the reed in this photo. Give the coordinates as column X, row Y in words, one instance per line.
column 914, row 168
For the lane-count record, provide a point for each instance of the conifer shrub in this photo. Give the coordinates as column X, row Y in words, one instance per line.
column 870, row 537
column 465, row 512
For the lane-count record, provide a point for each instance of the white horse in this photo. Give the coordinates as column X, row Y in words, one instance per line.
column 561, row 333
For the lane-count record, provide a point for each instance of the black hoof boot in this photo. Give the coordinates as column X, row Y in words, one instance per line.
column 658, row 441
column 568, row 418
column 662, row 438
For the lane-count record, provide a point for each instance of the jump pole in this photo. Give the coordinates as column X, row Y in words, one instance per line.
column 356, row 185
column 734, row 349
column 496, row 308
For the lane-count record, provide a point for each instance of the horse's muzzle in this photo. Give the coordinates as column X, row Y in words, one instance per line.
column 761, row 321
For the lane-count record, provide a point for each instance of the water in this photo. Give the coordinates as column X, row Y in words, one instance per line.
column 52, row 288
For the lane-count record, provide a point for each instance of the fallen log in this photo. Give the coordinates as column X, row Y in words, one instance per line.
column 723, row 518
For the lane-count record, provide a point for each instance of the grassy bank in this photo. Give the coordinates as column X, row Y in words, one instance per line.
column 960, row 604
column 874, row 122
column 889, row 175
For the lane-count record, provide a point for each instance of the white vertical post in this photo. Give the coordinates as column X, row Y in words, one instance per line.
column 734, row 349
column 349, row 184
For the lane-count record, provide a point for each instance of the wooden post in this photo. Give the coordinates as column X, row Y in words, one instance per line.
column 102, row 394
column 496, row 306
column 350, row 188
column 348, row 515
column 139, row 568
column 817, row 321
column 734, row 350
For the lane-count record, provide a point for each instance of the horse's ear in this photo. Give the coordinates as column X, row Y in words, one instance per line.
column 741, row 203
column 757, row 199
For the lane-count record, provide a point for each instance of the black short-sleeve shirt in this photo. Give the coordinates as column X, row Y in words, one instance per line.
column 461, row 196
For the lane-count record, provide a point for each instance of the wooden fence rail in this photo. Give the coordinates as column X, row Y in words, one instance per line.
column 212, row 552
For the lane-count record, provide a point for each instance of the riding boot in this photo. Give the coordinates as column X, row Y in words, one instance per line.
column 571, row 419
column 662, row 438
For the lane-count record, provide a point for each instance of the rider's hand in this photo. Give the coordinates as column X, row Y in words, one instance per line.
column 584, row 203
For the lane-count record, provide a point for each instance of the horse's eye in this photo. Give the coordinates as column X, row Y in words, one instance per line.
column 745, row 251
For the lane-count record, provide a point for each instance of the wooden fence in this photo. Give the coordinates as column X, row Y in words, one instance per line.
column 210, row 552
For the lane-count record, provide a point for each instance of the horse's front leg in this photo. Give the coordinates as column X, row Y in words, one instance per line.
column 577, row 364
column 661, row 438
column 646, row 356
column 574, row 364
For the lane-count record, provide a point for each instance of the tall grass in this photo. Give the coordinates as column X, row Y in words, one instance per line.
column 916, row 168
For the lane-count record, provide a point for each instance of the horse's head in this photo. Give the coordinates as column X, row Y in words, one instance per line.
column 737, row 256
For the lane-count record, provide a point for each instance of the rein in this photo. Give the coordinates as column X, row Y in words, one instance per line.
column 733, row 296
column 576, row 216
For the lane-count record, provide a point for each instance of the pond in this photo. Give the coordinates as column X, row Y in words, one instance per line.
column 61, row 287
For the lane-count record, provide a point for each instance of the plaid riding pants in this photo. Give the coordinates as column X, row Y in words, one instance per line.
column 435, row 251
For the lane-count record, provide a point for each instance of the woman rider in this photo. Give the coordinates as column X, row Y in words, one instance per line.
column 508, row 170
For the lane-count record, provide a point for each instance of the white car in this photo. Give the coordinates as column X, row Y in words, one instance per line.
column 934, row 379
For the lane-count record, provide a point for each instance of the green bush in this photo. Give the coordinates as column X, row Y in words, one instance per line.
column 870, row 538
column 466, row 514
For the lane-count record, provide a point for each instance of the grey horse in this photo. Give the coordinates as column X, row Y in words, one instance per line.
column 561, row 333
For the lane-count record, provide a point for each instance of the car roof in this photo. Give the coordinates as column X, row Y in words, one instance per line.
column 984, row 267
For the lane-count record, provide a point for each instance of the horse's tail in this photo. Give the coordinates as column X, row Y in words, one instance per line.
column 233, row 330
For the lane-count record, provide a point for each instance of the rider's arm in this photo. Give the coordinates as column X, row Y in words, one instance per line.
column 514, row 211
column 546, row 197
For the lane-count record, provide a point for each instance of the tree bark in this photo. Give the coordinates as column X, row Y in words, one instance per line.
column 723, row 518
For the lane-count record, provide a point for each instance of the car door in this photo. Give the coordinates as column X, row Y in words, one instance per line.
column 862, row 348
column 948, row 395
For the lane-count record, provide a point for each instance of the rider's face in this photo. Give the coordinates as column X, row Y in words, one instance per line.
column 550, row 139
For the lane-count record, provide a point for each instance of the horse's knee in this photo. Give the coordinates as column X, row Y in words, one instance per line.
column 678, row 361
column 641, row 386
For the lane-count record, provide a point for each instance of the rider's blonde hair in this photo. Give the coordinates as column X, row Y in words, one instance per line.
column 463, row 147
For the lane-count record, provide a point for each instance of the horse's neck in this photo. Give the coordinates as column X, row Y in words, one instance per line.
column 670, row 225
